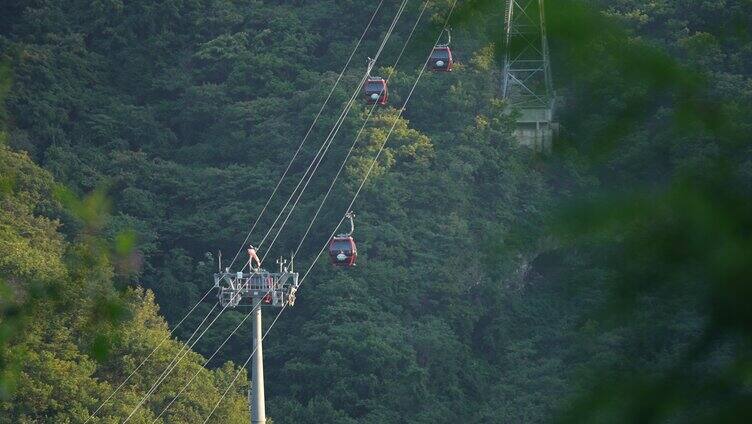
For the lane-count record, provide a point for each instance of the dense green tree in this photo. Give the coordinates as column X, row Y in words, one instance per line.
column 603, row 282
column 68, row 338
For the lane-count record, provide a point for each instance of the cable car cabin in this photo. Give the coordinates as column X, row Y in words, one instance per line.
column 441, row 59
column 342, row 251
column 376, row 91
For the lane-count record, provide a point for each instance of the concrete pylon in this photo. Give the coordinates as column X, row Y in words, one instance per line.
column 257, row 400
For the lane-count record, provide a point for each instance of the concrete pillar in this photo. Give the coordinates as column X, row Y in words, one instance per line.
column 257, row 399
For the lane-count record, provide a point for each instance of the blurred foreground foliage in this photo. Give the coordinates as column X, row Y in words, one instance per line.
column 656, row 115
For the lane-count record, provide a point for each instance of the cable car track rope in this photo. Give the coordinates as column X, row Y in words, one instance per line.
column 318, row 158
column 209, row 360
column 289, row 165
column 330, row 137
column 184, row 350
column 338, row 224
column 355, row 141
column 175, row 361
column 162, row 378
column 307, row 176
column 352, row 202
column 313, row 124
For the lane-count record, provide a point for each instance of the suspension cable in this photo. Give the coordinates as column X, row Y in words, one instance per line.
column 335, row 130
column 327, row 141
column 357, row 137
column 357, row 193
column 308, row 174
column 166, row 372
column 295, row 155
column 171, row 365
column 309, row 269
column 300, row 194
column 386, row 37
column 289, row 165
column 394, row 125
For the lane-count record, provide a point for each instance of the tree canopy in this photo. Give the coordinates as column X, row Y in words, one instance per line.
column 605, row 281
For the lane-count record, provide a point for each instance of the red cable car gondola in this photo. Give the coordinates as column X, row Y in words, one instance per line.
column 376, row 91
column 441, row 56
column 441, row 59
column 342, row 249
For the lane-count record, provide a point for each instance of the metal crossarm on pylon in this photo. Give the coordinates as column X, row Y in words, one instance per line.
column 270, row 288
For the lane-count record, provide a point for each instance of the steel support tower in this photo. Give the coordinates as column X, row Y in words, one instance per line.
column 527, row 87
column 256, row 289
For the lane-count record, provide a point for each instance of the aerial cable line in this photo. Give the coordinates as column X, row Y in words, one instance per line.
column 308, row 180
column 389, row 134
column 357, row 137
column 313, row 124
column 171, row 365
column 330, row 137
column 387, row 36
column 331, row 92
column 184, row 348
column 371, row 62
column 365, row 178
column 249, row 313
column 381, row 149
column 357, row 193
column 289, row 165
column 335, row 129
column 319, row 254
column 150, row 355
column 308, row 174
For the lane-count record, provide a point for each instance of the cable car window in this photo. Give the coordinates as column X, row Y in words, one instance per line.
column 441, row 54
column 375, row 86
column 341, row 245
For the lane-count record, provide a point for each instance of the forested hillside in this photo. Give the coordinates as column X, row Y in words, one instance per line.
column 606, row 281
column 68, row 337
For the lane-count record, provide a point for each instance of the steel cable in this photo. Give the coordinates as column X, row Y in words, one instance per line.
column 386, row 37
column 289, row 165
column 173, row 364
column 327, row 141
column 313, row 124
column 355, row 141
column 298, row 198
column 357, row 193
